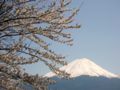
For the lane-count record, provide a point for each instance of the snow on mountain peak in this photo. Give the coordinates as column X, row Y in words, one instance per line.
column 84, row 67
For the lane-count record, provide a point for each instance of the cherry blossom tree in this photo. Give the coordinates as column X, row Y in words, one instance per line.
column 24, row 22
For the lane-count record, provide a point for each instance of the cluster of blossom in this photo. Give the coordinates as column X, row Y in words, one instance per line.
column 21, row 21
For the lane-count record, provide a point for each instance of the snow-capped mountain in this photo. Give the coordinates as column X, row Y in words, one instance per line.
column 84, row 66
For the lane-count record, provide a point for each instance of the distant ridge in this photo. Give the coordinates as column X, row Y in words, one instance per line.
column 84, row 66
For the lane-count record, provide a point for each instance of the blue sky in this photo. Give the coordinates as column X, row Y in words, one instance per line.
column 98, row 39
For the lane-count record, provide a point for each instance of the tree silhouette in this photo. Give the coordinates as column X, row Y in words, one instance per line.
column 21, row 25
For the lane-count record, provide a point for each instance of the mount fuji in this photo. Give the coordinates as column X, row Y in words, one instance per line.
column 84, row 66
column 87, row 76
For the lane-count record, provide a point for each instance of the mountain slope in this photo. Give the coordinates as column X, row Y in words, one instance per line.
column 84, row 67
column 86, row 82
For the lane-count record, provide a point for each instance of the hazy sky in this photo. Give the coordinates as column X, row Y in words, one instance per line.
column 98, row 39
